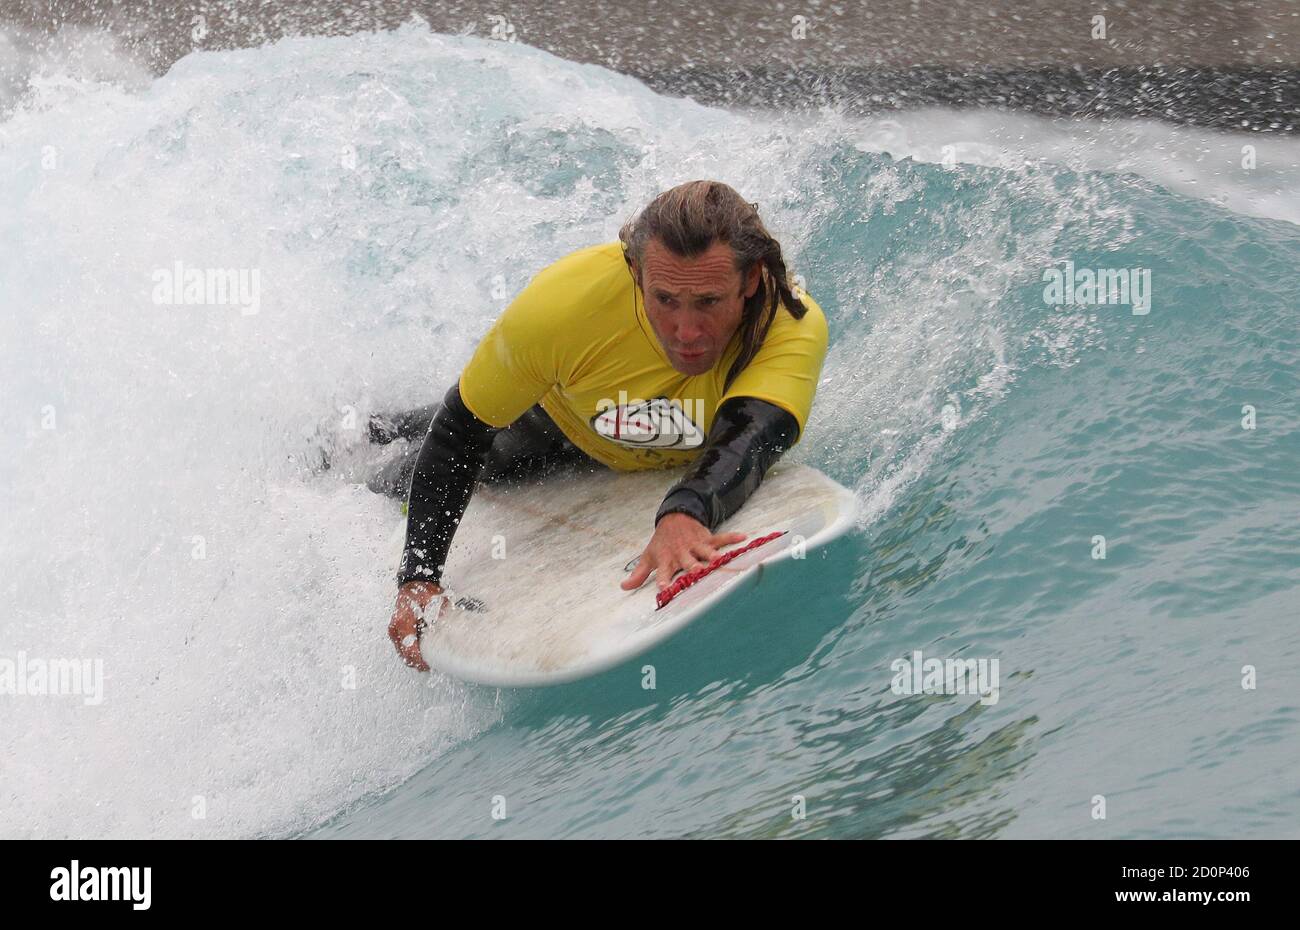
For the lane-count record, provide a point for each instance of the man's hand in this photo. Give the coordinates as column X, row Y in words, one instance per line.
column 680, row 542
column 410, row 618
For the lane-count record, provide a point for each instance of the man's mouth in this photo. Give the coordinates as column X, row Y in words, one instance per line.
column 692, row 356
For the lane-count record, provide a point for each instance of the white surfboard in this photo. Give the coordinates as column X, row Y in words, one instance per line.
column 534, row 570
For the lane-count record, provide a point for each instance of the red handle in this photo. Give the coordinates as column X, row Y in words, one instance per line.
column 695, row 574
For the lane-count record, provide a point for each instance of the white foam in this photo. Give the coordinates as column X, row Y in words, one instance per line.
column 1204, row 163
column 72, row 55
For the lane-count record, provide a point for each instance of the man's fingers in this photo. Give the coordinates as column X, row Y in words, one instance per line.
column 707, row 550
column 413, row 657
column 684, row 562
column 408, row 645
column 639, row 574
column 696, row 555
column 665, row 572
column 402, row 630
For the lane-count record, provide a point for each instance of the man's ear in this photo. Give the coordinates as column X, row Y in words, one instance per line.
column 752, row 279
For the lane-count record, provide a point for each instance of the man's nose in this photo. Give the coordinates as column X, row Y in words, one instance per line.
column 688, row 333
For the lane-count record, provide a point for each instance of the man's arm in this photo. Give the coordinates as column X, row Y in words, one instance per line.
column 454, row 452
column 746, row 438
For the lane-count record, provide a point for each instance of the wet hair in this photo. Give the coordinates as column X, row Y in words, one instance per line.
column 687, row 220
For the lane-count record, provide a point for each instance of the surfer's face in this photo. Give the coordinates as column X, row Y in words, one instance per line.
column 694, row 304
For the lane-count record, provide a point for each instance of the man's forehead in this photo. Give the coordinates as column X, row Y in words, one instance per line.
column 717, row 265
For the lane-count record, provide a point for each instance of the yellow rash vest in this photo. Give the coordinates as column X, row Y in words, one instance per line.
column 577, row 341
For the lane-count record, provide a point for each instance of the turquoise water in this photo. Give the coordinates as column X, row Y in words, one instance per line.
column 390, row 189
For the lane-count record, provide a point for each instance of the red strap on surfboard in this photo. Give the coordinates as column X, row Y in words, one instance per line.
column 695, row 574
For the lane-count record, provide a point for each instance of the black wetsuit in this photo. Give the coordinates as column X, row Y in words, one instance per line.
column 747, row 436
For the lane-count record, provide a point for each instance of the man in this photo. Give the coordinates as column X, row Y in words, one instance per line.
column 681, row 343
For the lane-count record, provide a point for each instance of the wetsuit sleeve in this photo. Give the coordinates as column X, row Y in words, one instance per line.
column 746, row 438
column 454, row 452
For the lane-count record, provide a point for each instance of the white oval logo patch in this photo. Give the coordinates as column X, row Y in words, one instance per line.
column 657, row 423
